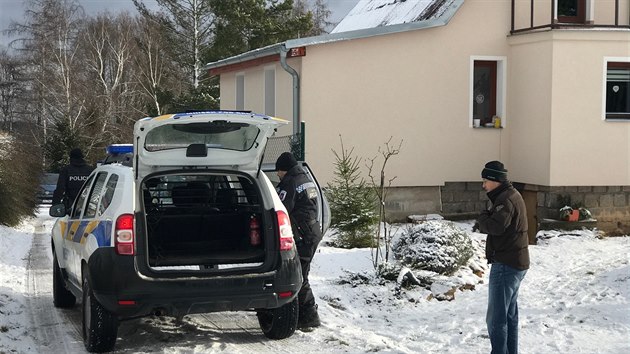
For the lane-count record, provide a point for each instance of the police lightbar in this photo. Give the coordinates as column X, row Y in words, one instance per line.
column 117, row 149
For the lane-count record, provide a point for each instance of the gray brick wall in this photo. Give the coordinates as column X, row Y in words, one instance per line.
column 610, row 205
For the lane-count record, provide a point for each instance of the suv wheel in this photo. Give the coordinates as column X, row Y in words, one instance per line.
column 99, row 325
column 281, row 322
column 62, row 297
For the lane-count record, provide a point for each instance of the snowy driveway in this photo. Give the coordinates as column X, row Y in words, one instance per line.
column 575, row 298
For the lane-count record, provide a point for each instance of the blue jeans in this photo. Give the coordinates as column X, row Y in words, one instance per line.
column 502, row 315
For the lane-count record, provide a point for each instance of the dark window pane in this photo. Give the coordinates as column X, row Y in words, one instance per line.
column 567, row 8
column 618, row 90
column 109, row 193
column 484, row 91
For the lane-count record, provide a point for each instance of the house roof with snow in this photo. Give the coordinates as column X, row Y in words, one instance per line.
column 368, row 18
column 379, row 13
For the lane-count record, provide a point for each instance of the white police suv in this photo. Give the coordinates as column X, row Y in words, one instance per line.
column 182, row 222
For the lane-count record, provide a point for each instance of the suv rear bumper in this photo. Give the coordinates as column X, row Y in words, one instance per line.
column 115, row 278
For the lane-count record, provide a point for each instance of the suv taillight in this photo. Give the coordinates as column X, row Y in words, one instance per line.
column 125, row 241
column 286, row 234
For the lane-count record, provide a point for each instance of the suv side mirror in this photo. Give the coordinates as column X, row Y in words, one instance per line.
column 57, row 210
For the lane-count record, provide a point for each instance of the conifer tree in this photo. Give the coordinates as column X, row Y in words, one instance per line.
column 352, row 202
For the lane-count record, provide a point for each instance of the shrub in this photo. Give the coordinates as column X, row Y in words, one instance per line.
column 20, row 171
column 437, row 246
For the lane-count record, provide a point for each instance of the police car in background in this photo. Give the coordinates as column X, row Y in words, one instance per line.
column 182, row 222
column 47, row 186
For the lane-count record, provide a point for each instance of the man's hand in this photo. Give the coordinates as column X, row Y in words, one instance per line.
column 475, row 227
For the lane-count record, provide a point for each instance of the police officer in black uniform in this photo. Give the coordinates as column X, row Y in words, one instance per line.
column 71, row 178
column 299, row 195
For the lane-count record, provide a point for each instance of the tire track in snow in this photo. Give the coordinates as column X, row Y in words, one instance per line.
column 53, row 331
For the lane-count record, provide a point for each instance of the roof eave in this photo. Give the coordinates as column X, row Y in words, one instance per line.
column 252, row 54
column 443, row 20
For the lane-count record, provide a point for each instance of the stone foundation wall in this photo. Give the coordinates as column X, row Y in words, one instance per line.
column 463, row 199
column 610, row 205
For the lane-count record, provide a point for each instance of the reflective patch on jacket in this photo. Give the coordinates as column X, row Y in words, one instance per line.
column 282, row 195
column 310, row 188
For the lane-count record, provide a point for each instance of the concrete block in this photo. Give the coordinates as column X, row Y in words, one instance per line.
column 620, row 200
column 600, row 189
column 473, row 186
column 585, row 189
column 455, row 186
column 453, row 208
column 591, row 201
column 606, row 201
column 614, row 189
column 577, row 199
column 571, row 189
column 466, row 196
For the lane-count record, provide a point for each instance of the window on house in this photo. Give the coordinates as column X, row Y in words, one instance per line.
column 487, row 91
column 240, row 92
column 270, row 91
column 618, row 90
column 484, row 91
column 571, row 11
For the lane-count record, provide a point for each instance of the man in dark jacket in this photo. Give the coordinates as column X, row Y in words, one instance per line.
column 299, row 195
column 506, row 251
column 71, row 179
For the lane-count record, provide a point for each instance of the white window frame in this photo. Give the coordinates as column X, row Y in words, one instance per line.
column 239, row 96
column 270, row 111
column 605, row 82
column 501, row 86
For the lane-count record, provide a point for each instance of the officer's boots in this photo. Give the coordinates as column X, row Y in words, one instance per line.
column 308, row 317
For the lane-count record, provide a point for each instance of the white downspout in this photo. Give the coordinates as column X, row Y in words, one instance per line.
column 296, row 89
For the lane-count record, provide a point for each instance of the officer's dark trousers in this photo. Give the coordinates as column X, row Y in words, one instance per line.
column 306, row 249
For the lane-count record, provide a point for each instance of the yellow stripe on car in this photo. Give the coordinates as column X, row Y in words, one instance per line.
column 74, row 226
column 88, row 230
column 164, row 117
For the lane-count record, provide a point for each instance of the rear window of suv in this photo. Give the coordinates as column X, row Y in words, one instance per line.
column 214, row 134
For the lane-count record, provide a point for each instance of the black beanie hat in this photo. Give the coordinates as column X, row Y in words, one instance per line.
column 76, row 153
column 494, row 171
column 285, row 162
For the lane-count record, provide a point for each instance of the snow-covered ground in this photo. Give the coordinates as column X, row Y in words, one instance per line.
column 573, row 299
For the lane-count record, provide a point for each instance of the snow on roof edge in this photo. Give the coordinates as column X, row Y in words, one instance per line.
column 441, row 20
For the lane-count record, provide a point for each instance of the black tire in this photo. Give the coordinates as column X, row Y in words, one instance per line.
column 100, row 326
column 62, row 297
column 279, row 323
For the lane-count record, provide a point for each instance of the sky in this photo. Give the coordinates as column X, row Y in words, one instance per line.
column 13, row 10
column 574, row 299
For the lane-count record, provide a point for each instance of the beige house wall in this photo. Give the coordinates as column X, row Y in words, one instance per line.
column 554, row 142
column 580, row 135
column 392, row 87
column 255, row 87
column 415, row 87
column 529, row 108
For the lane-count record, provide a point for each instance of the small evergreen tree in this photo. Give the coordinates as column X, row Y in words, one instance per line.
column 351, row 202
